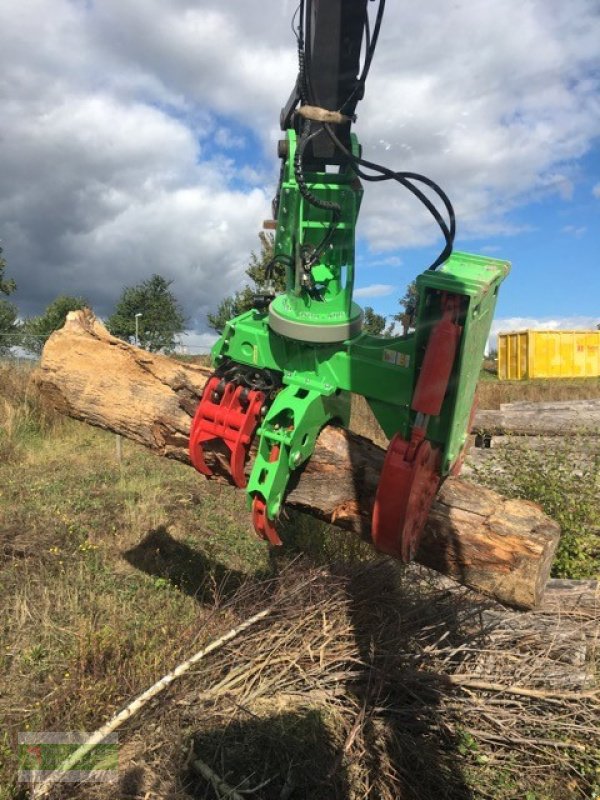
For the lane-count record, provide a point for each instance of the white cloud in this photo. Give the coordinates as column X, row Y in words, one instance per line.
column 497, row 125
column 574, row 230
column 596, row 190
column 375, row 290
column 491, row 248
column 508, row 324
column 226, row 139
column 121, row 123
column 389, row 261
column 193, row 343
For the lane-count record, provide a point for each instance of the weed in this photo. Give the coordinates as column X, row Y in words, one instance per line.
column 110, row 574
column 564, row 479
column 24, row 414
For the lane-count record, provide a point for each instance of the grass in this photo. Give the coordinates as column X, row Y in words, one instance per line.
column 103, row 567
column 24, row 416
column 563, row 477
column 111, row 573
column 492, row 392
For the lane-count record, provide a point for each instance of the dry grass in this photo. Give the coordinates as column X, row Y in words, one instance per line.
column 492, row 393
column 364, row 684
column 23, row 413
column 371, row 682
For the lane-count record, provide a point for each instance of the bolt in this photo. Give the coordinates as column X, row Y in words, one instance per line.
column 297, row 458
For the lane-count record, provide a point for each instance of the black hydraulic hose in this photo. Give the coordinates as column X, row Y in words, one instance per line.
column 403, row 178
column 305, row 137
column 286, row 260
column 325, row 205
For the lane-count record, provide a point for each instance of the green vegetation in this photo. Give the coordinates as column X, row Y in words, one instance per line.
column 8, row 311
column 112, row 573
column 36, row 330
column 243, row 300
column 8, row 326
column 564, row 478
column 158, row 314
column 375, row 324
column 7, row 285
column 159, row 317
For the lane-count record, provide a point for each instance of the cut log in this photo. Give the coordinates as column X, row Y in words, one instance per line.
column 541, row 419
column 503, row 548
column 552, row 647
column 555, row 644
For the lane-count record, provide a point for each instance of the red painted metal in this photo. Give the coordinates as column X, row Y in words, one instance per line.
column 262, row 524
column 410, row 476
column 438, row 360
column 407, row 486
column 233, row 418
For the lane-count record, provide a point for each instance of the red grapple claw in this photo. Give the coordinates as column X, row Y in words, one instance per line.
column 230, row 414
column 262, row 524
column 439, row 358
column 408, row 484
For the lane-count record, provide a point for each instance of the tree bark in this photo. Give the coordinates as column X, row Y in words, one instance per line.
column 503, row 548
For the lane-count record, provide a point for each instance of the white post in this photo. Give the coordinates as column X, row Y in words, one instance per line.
column 137, row 328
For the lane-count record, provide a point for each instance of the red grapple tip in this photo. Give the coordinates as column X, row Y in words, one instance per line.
column 263, row 526
column 407, row 486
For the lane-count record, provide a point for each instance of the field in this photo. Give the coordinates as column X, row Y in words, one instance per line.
column 113, row 572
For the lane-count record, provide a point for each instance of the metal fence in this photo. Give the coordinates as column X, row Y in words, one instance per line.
column 13, row 351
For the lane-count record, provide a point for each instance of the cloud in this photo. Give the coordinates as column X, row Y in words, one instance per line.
column 375, row 290
column 193, row 343
column 574, row 230
column 596, row 190
column 112, row 192
column 389, row 261
column 508, row 324
column 138, row 137
column 497, row 126
column 490, row 248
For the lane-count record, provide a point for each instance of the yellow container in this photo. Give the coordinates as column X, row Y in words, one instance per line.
column 548, row 354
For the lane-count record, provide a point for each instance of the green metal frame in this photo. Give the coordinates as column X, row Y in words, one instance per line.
column 302, row 225
column 318, row 378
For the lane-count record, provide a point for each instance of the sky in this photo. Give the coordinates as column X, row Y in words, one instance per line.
column 139, row 137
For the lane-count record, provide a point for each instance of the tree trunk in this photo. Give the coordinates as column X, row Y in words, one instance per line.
column 503, row 548
column 541, row 419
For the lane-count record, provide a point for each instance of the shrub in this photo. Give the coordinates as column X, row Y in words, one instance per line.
column 563, row 477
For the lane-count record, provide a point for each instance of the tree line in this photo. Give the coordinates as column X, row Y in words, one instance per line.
column 147, row 314
column 150, row 315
